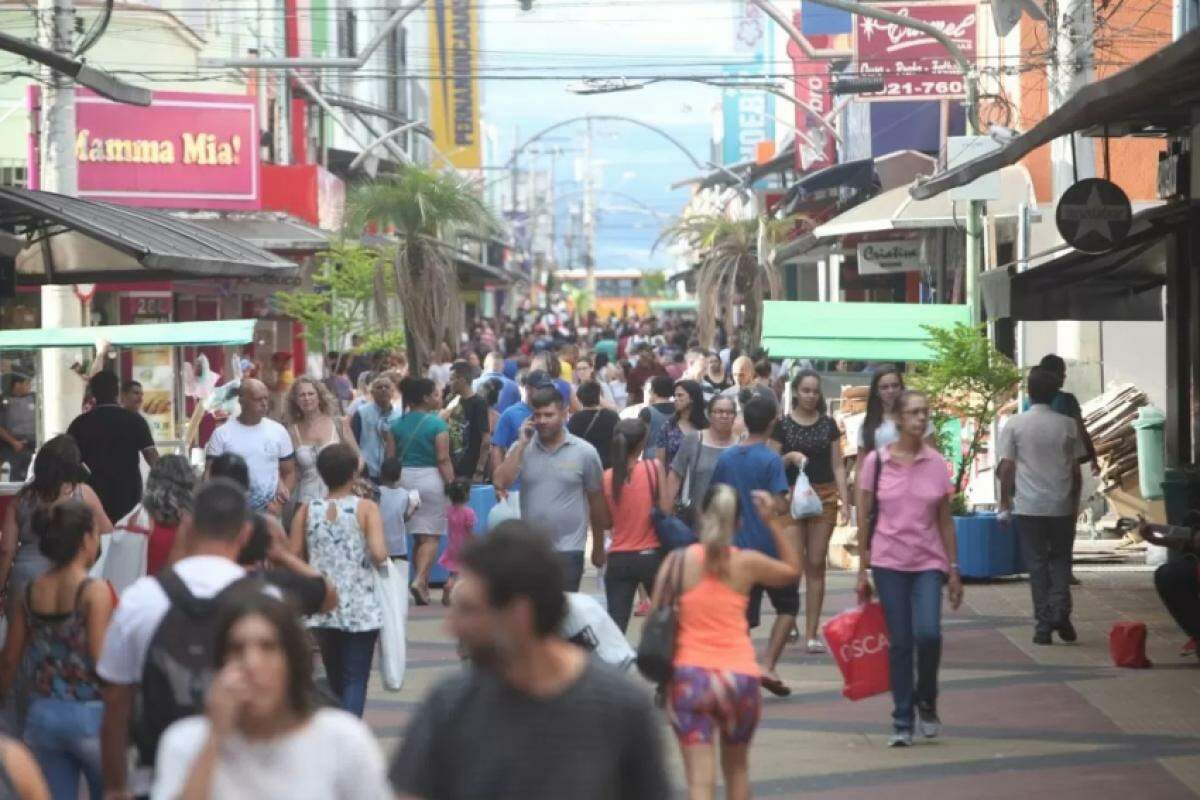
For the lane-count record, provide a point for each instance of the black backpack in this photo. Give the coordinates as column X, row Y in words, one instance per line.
column 179, row 661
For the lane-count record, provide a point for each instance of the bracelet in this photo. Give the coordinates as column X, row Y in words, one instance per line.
column 954, row 566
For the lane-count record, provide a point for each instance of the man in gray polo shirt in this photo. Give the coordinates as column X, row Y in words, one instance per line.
column 1039, row 454
column 561, row 483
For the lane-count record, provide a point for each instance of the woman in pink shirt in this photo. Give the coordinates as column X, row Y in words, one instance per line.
column 906, row 537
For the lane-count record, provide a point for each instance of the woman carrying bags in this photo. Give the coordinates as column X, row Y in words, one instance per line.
column 714, row 691
column 906, row 537
column 630, row 488
column 809, row 439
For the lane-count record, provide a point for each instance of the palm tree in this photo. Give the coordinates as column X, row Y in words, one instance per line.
column 426, row 208
column 730, row 270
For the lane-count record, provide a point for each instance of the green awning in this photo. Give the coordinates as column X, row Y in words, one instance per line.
column 222, row 332
column 672, row 305
column 854, row 331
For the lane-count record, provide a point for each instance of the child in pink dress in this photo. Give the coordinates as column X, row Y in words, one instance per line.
column 460, row 523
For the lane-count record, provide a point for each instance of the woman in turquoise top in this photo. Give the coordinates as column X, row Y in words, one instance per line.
column 421, row 441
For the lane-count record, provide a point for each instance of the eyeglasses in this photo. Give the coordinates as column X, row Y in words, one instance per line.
column 916, row 412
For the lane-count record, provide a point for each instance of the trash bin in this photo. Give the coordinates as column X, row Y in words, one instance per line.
column 1181, row 493
column 1149, row 427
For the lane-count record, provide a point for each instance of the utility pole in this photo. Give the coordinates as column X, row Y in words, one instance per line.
column 589, row 214
column 1072, row 30
column 61, row 391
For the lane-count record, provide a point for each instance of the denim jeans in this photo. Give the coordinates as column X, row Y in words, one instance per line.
column 622, row 575
column 912, row 605
column 572, row 562
column 347, row 659
column 64, row 736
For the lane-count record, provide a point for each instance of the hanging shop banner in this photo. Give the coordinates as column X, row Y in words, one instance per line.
column 816, row 147
column 887, row 257
column 152, row 367
column 913, row 64
column 1094, row 215
column 454, row 87
column 749, row 114
column 184, row 150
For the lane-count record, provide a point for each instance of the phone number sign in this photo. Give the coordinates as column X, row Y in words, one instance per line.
column 913, row 64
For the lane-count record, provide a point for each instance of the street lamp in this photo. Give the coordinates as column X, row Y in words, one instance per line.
column 592, row 86
column 97, row 80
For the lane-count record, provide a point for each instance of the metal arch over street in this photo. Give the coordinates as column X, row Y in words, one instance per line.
column 680, row 146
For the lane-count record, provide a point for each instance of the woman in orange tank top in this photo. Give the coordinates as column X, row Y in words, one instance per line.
column 715, row 687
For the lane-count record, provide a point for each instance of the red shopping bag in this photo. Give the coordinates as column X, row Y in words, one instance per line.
column 859, row 642
column 1127, row 645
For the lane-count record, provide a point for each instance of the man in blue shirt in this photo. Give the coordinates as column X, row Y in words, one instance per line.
column 510, row 393
column 508, row 427
column 749, row 467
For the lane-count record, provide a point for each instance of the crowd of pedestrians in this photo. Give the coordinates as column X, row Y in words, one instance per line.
column 188, row 672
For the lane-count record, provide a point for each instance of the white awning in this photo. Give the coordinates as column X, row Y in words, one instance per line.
column 896, row 210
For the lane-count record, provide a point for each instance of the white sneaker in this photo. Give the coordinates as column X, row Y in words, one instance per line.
column 900, row 739
column 816, row 646
column 927, row 719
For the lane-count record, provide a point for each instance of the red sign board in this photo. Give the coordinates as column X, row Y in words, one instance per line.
column 184, row 150
column 815, row 145
column 913, row 65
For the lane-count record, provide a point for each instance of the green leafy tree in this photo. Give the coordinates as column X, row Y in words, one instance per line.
column 347, row 282
column 426, row 209
column 969, row 380
column 729, row 270
column 654, row 284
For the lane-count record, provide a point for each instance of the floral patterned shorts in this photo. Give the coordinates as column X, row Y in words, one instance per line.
column 703, row 701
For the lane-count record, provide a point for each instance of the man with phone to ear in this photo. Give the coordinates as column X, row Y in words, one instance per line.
column 560, row 476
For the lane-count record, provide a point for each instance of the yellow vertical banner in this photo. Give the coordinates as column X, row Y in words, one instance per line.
column 454, row 89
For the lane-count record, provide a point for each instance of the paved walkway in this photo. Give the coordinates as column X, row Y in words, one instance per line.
column 1019, row 719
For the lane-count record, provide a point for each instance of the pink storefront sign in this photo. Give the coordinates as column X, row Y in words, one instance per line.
column 913, row 64
column 185, row 150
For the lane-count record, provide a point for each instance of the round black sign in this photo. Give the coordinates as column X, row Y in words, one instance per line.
column 1094, row 215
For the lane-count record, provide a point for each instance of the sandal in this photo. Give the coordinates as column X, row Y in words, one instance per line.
column 775, row 686
column 417, row 597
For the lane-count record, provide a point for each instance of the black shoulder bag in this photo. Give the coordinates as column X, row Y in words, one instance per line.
column 656, row 651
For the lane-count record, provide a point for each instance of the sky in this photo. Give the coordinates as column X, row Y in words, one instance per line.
column 610, row 38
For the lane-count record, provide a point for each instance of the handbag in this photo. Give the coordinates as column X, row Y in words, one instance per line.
column 672, row 532
column 656, row 650
column 805, row 502
column 858, row 641
column 391, row 587
column 873, row 517
column 124, row 552
column 683, row 505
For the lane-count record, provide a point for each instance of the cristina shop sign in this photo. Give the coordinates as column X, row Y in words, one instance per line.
column 887, row 257
column 913, row 65
column 184, row 150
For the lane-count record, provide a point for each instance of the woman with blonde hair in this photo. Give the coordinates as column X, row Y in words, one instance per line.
column 715, row 686
column 314, row 426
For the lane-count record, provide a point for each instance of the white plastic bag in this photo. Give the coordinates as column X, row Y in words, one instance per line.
column 588, row 625
column 122, row 558
column 805, row 502
column 391, row 587
column 504, row 510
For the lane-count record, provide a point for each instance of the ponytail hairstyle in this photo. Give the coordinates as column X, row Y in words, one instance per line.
column 718, row 520
column 61, row 529
column 628, row 437
column 874, row 416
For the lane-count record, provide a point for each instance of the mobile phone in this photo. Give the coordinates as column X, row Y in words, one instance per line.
column 529, row 432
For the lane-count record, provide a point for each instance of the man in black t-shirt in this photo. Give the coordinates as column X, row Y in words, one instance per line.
column 593, row 424
column 468, row 422
column 111, row 438
column 534, row 716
